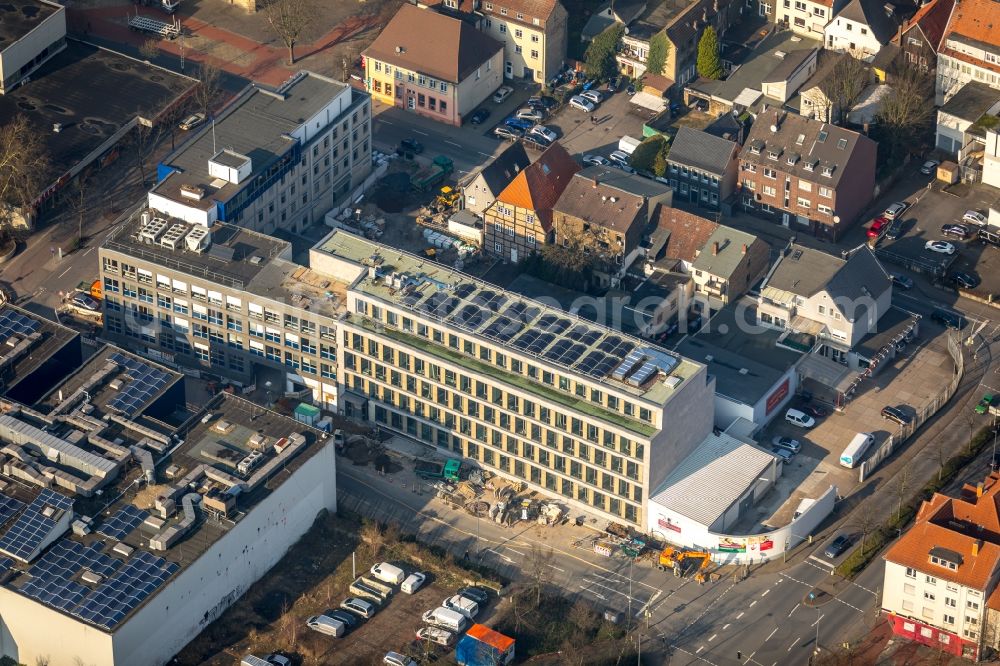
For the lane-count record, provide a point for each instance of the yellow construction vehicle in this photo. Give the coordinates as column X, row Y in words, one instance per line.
column 674, row 559
column 447, row 197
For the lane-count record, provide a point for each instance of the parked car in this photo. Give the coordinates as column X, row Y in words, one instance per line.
column 532, row 114
column 350, row 620
column 878, row 227
column 942, row 247
column 619, row 158
column 956, row 230
column 192, row 121
column 463, row 605
column 782, row 454
column 974, row 217
column 964, row 280
column 542, row 102
column 592, row 95
column 614, row 84
column 477, row 594
column 838, row 546
column 815, row 411
column 397, row 659
column 479, row 116
column 787, row 443
column 901, row 281
column 948, row 319
column 799, row 418
column 327, row 625
column 411, row 146
column 895, row 414
column 894, row 210
column 896, row 229
column 630, row 90
column 413, row 582
column 388, row 573
column 581, row 103
column 84, row 301
column 547, row 133
column 436, row 635
column 535, row 141
column 929, row 167
column 359, row 606
column 508, row 132
column 520, row 123
column 596, row 160
column 502, row 93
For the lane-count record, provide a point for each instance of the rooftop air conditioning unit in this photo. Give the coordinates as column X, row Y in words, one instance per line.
column 172, row 238
column 195, row 192
column 198, row 239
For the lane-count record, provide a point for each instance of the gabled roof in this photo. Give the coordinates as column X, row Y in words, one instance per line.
column 730, row 253
column 539, row 186
column 505, row 167
column 455, row 51
column 975, row 20
column 805, row 272
column 701, row 150
column 541, row 9
column 873, row 14
column 608, row 198
column 932, row 20
column 686, row 232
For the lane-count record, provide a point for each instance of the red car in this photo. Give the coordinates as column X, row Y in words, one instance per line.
column 879, row 227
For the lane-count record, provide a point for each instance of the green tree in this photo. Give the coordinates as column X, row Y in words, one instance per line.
column 645, row 153
column 657, row 58
column 709, row 62
column 600, row 56
column 660, row 163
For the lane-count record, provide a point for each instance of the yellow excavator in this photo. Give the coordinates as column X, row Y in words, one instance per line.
column 674, row 559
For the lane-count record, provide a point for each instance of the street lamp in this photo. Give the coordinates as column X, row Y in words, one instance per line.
column 818, row 618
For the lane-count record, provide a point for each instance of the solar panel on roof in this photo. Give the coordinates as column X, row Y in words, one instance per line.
column 15, row 323
column 33, row 526
column 125, row 520
column 626, row 366
column 145, row 382
column 8, row 507
column 464, row 289
column 141, row 576
column 642, row 374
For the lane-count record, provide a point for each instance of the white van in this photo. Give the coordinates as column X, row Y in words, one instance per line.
column 413, row 582
column 327, row 625
column 388, row 573
column 856, row 449
column 460, row 604
column 801, row 419
column 446, row 619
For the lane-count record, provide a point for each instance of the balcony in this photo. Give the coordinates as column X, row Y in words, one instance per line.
column 715, row 288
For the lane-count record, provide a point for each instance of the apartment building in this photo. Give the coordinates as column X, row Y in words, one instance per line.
column 804, row 17
column 702, row 168
column 226, row 302
column 577, row 411
column 273, row 159
column 534, row 34
column 863, row 27
column 519, row 222
column 728, row 265
column 806, row 173
column 940, row 585
column 432, row 64
column 921, row 34
column 970, row 48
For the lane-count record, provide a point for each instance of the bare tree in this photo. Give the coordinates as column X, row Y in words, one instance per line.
column 207, row 92
column 940, row 455
column 582, row 616
column 288, row 18
column 142, row 139
column 373, row 536
column 42, row 661
column 905, row 120
column 847, row 80
column 24, row 170
column 899, row 488
column 539, row 570
column 865, row 522
column 79, row 202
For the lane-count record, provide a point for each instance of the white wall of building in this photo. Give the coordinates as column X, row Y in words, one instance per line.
column 24, row 50
column 480, row 84
column 771, row 405
column 803, row 16
column 853, row 37
column 190, row 214
column 991, row 159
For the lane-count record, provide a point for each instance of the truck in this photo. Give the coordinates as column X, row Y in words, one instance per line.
column 430, row 469
column 481, row 646
column 369, row 589
column 627, row 144
column 430, row 176
column 92, row 289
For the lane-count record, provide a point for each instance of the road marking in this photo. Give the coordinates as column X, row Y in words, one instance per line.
column 740, row 615
column 771, row 634
column 796, row 642
column 693, row 654
column 610, row 589
column 452, row 143
column 817, row 620
column 596, row 594
column 649, row 603
column 484, row 154
column 752, row 603
column 764, row 593
column 712, row 637
column 700, row 648
column 416, row 131
column 383, row 121
column 793, row 610
column 557, row 568
column 515, row 551
column 88, row 251
column 725, row 626
column 68, row 269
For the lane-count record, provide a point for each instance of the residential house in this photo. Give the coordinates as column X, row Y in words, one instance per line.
column 702, row 168
column 958, row 132
column 940, row 585
column 806, row 173
column 921, row 35
column 818, row 97
column 609, row 208
column 729, row 263
column 444, row 78
column 862, row 27
column 677, row 237
column 619, row 11
column 533, row 32
column 481, row 190
column 829, row 302
column 519, row 222
column 804, row 17
column 970, row 48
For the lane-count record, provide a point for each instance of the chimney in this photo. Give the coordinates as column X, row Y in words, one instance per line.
column 744, row 248
column 976, row 545
column 715, row 248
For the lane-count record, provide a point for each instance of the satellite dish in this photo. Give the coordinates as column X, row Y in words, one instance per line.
column 774, row 128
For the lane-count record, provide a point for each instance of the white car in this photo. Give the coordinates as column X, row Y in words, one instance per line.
column 396, row 659
column 596, row 160
column 413, row 582
column 544, row 132
column 534, row 115
column 436, row 635
column 929, row 167
column 620, row 159
column 582, row 103
column 895, row 210
column 593, row 96
column 943, row 247
column 975, row 217
column 502, row 93
column 192, row 121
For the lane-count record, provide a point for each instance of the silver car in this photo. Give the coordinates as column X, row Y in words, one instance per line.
column 365, row 609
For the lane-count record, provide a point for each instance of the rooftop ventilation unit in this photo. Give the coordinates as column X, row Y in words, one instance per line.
column 172, row 239
column 152, row 230
column 195, row 192
column 198, row 239
column 230, row 166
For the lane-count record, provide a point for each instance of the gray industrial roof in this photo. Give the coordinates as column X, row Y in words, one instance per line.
column 972, row 101
column 712, row 478
column 701, row 150
column 20, row 20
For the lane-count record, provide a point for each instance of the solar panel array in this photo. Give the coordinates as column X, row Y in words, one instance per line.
column 146, row 381
column 52, row 576
column 141, row 576
column 125, row 520
column 8, row 507
column 32, row 526
column 528, row 328
column 15, row 323
column 5, row 565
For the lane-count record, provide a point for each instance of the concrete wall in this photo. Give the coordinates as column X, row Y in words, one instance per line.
column 316, row 125
column 950, row 135
column 27, row 629
column 49, row 34
column 991, row 159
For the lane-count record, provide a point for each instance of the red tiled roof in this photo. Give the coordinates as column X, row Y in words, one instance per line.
column 976, row 19
column 932, row 19
column 688, row 232
column 541, row 9
column 952, row 53
column 540, row 185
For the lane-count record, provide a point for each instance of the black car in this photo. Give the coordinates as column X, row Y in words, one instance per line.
column 350, row 620
column 508, row 132
column 948, row 319
column 411, row 146
column 838, row 546
column 964, row 280
column 815, row 411
column 478, row 116
column 614, row 84
column 542, row 102
column 956, row 230
column 477, row 594
column 895, row 230
column 535, row 141
column 895, row 414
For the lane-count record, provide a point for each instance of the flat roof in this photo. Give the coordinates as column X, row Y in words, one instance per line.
column 117, row 547
column 712, row 478
column 41, row 338
column 235, row 257
column 745, row 358
column 294, row 284
column 17, row 21
column 257, row 124
column 478, row 308
column 891, row 326
column 93, row 93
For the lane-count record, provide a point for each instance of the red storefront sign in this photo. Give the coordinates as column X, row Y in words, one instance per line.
column 779, row 394
column 933, row 637
column 667, row 525
column 766, row 545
